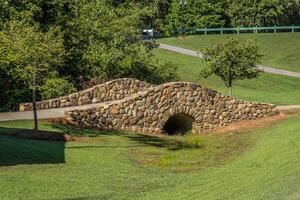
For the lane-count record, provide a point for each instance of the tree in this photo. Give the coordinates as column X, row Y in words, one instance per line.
column 108, row 40
column 30, row 55
column 232, row 60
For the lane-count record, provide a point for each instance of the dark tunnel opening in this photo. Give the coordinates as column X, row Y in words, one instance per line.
column 179, row 124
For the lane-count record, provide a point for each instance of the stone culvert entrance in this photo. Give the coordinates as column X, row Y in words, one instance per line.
column 179, row 124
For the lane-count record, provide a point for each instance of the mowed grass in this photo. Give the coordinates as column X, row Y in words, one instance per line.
column 270, row 88
column 281, row 50
column 261, row 164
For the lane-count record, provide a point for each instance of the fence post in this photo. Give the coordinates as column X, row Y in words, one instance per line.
column 275, row 29
column 256, row 29
column 238, row 30
column 205, row 30
column 222, row 30
column 293, row 28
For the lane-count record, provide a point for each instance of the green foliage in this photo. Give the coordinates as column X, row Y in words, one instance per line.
column 197, row 13
column 264, row 12
column 56, row 87
column 210, row 13
column 81, row 40
column 232, row 60
column 29, row 55
column 113, row 47
column 12, row 98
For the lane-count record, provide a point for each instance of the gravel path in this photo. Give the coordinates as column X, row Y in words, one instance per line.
column 198, row 54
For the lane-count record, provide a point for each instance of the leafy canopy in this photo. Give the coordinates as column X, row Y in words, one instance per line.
column 232, row 60
column 79, row 41
column 111, row 45
column 28, row 54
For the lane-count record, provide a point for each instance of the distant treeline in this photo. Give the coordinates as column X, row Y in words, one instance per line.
column 224, row 13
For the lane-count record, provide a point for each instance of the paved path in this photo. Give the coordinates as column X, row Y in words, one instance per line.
column 42, row 114
column 59, row 112
column 180, row 50
column 198, row 54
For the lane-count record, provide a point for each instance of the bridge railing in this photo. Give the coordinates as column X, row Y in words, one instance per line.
column 238, row 30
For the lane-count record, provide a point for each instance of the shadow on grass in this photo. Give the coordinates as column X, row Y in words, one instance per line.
column 147, row 141
column 77, row 131
column 15, row 151
column 164, row 142
column 139, row 139
column 20, row 151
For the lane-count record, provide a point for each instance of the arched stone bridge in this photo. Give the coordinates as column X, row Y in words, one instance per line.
column 168, row 108
column 109, row 91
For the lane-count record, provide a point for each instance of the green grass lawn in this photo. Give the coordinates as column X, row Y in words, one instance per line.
column 281, row 50
column 269, row 88
column 261, row 164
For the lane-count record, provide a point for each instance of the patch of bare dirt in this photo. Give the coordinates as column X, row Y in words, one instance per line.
column 248, row 125
column 58, row 121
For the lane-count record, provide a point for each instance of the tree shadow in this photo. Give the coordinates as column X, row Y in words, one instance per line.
column 20, row 151
column 141, row 139
column 164, row 142
column 77, row 131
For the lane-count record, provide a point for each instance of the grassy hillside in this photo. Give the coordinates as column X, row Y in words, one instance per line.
column 261, row 164
column 281, row 50
column 267, row 88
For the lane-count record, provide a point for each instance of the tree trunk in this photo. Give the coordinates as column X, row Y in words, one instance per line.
column 34, row 109
column 229, row 85
column 230, row 91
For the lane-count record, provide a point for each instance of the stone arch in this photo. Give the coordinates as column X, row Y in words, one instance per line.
column 149, row 110
column 179, row 123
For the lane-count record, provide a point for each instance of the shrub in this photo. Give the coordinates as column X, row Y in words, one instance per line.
column 56, row 87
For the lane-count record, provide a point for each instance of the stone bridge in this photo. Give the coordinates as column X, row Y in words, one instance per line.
column 109, row 91
column 168, row 108
column 135, row 106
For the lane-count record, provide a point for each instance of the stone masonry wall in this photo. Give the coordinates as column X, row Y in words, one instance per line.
column 148, row 111
column 109, row 91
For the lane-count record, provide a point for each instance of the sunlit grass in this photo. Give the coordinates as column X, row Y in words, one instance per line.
column 268, row 88
column 190, row 152
column 263, row 163
column 281, row 50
